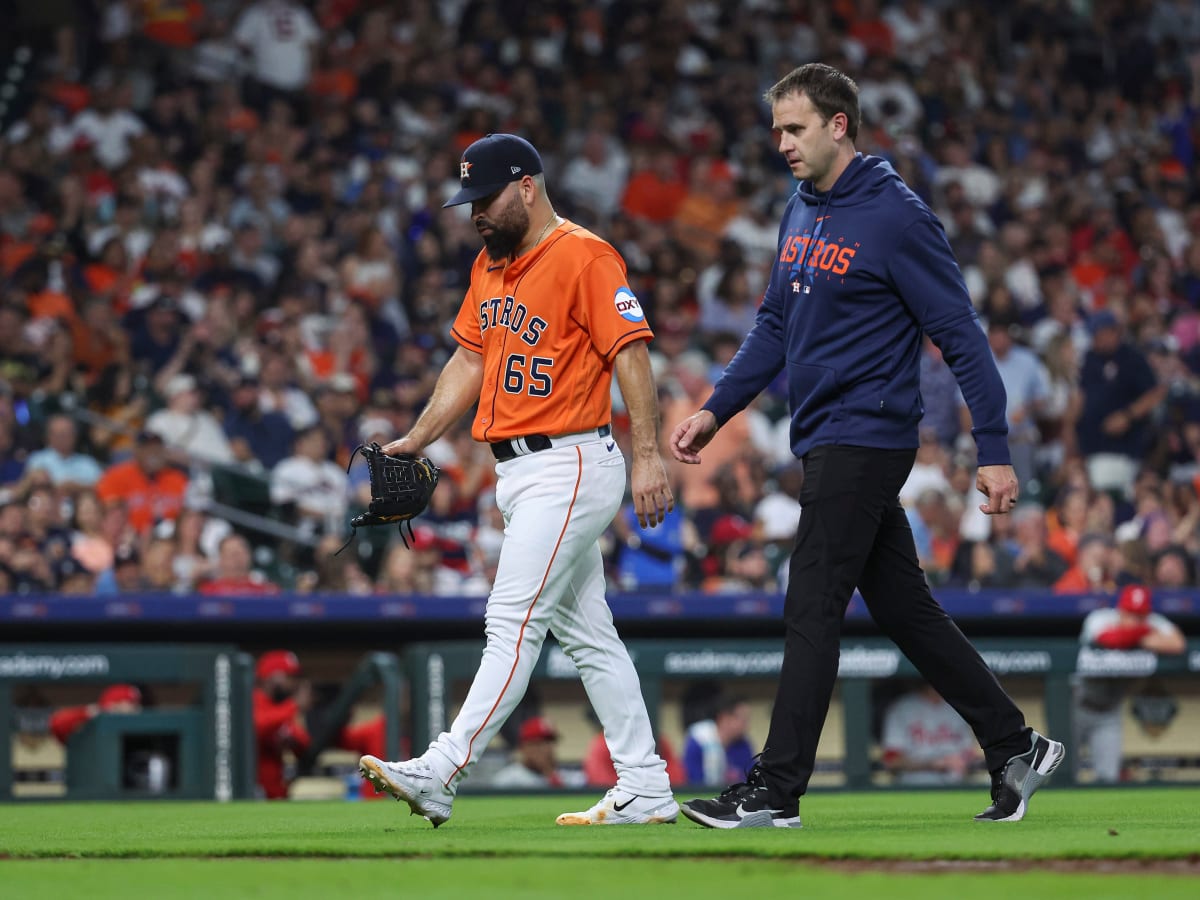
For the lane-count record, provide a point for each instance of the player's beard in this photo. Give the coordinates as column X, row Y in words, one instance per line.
column 508, row 229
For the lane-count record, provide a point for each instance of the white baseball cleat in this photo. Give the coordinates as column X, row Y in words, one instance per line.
column 619, row 807
column 412, row 781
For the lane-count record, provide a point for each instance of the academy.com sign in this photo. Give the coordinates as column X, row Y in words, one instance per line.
column 723, row 662
column 29, row 665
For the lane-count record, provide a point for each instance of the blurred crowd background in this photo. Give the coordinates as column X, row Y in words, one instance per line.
column 225, row 263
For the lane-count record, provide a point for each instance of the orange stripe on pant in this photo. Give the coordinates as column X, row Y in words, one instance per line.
column 528, row 615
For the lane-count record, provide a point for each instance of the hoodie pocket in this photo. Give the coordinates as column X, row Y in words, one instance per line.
column 812, row 390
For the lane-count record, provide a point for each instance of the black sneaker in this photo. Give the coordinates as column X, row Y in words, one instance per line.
column 744, row 805
column 1014, row 784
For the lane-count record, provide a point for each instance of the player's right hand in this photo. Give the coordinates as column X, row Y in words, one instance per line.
column 692, row 435
column 402, row 447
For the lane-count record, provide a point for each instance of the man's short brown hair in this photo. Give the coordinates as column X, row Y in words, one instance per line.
column 828, row 89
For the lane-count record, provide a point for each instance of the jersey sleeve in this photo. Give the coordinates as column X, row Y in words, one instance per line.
column 608, row 309
column 466, row 328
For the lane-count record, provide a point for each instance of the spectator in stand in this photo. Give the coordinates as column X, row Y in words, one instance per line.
column 68, row 470
column 925, row 742
column 258, row 439
column 697, row 491
column 1092, row 569
column 280, row 37
column 653, row 559
column 125, row 576
column 734, row 304
column 535, row 766
column 1130, row 625
column 235, row 576
column 657, row 188
column 279, row 392
column 108, row 124
column 403, row 572
column 318, row 488
column 115, row 700
column 1174, row 568
column 90, row 546
column 157, row 332
column 717, row 750
column 146, row 485
column 594, row 180
column 45, row 527
column 122, row 409
column 941, row 396
column 1034, row 563
column 711, row 204
column 190, row 431
column 1119, row 393
column 1025, row 385
column 1067, row 522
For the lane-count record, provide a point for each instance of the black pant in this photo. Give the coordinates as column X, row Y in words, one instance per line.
column 853, row 533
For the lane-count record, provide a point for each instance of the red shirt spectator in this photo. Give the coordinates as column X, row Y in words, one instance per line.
column 234, row 575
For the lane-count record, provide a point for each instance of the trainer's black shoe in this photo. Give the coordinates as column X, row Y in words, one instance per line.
column 1015, row 783
column 744, row 805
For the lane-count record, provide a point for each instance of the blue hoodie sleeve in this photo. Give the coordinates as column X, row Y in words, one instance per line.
column 927, row 278
column 761, row 356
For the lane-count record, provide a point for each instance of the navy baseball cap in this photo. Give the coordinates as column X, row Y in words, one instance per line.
column 492, row 162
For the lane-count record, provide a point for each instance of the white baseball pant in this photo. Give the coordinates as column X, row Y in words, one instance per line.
column 556, row 504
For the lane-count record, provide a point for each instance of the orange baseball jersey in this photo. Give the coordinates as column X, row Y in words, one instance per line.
column 549, row 325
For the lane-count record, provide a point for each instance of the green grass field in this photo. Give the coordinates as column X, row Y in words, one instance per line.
column 510, row 847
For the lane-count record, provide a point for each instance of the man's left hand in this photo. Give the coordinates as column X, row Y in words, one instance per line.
column 999, row 485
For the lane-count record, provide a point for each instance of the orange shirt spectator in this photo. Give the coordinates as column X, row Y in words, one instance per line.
column 655, row 193
column 50, row 304
column 172, row 22
column 711, row 204
column 1091, row 571
column 149, row 489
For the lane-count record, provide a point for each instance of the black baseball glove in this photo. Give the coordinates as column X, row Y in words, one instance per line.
column 401, row 487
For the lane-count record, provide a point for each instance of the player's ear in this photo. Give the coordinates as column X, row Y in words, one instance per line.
column 529, row 190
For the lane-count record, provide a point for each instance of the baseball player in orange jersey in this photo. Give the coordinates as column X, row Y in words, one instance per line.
column 547, row 321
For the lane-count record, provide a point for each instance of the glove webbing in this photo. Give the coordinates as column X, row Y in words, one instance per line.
column 354, row 528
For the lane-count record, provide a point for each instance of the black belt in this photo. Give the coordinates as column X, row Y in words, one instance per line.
column 505, row 450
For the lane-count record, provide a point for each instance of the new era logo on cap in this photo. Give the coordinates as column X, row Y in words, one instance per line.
column 491, row 163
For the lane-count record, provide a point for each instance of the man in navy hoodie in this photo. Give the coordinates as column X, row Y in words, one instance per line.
column 863, row 271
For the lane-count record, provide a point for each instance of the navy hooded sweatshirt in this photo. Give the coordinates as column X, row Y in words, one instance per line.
column 862, row 271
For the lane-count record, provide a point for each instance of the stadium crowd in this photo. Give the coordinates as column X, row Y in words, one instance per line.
column 225, row 263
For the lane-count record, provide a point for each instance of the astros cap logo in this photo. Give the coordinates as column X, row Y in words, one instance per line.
column 464, row 170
